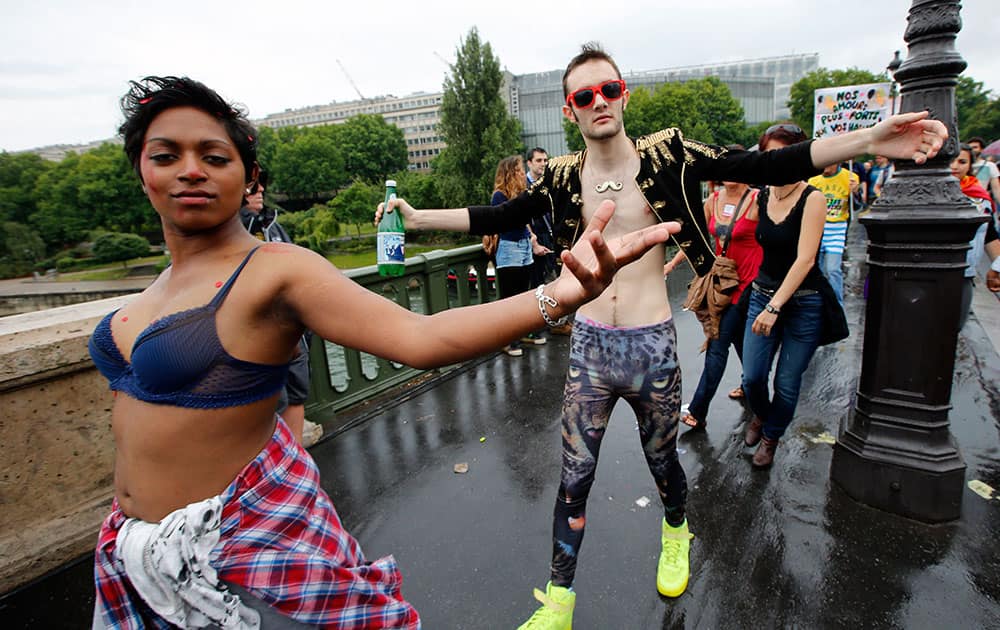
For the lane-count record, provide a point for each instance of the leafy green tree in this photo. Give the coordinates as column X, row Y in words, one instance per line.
column 113, row 246
column 475, row 124
column 110, row 193
column 59, row 219
column 20, row 249
column 800, row 98
column 372, row 147
column 311, row 166
column 318, row 228
column 267, row 146
column 356, row 204
column 19, row 173
column 978, row 113
column 419, row 189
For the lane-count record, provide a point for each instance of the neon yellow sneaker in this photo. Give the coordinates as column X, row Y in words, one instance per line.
column 556, row 612
column 673, row 569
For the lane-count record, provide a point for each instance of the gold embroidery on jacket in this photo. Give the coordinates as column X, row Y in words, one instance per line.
column 693, row 146
column 561, row 167
column 656, row 147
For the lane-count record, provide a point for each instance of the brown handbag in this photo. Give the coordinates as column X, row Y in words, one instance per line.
column 710, row 294
column 490, row 244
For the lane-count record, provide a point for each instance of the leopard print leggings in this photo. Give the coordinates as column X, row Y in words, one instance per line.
column 640, row 365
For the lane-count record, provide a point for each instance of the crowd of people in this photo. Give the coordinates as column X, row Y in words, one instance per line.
column 219, row 519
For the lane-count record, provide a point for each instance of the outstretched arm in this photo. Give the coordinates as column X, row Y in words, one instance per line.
column 911, row 136
column 453, row 219
column 346, row 313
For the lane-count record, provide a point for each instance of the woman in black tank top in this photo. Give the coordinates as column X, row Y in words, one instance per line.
column 785, row 306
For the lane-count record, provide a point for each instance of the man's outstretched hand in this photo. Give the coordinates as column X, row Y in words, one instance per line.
column 911, row 136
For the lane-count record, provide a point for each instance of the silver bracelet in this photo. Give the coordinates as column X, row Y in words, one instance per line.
column 551, row 301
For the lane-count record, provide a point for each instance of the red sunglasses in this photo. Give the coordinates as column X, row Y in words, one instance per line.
column 584, row 97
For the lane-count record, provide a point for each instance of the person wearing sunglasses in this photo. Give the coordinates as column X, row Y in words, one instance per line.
column 623, row 344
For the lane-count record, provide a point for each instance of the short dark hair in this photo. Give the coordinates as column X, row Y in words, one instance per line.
column 787, row 133
column 981, row 142
column 531, row 153
column 150, row 97
column 591, row 51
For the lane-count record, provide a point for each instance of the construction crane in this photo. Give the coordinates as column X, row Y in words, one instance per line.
column 443, row 60
column 350, row 80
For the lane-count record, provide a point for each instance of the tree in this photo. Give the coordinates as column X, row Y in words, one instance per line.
column 319, row 227
column 59, row 218
column 978, row 113
column 703, row 109
column 19, row 173
column 800, row 97
column 419, row 189
column 20, row 249
column 267, row 144
column 475, row 124
column 311, row 166
column 112, row 247
column 356, row 203
column 110, row 194
column 372, row 147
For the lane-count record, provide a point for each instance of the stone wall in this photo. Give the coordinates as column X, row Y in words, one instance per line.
column 56, row 448
column 27, row 303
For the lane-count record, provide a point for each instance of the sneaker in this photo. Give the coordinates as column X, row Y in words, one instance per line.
column 513, row 351
column 556, row 612
column 534, row 339
column 673, row 569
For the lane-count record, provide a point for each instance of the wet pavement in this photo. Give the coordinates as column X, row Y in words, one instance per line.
column 779, row 548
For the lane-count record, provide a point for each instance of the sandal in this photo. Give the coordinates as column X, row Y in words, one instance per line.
column 737, row 393
column 692, row 422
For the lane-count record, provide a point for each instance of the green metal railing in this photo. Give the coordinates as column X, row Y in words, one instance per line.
column 435, row 281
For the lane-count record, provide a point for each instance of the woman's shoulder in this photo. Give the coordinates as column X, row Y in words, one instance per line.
column 498, row 198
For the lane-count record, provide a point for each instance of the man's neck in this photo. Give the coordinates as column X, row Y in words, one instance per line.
column 610, row 154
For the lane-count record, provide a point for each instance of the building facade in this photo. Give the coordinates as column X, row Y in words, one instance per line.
column 417, row 115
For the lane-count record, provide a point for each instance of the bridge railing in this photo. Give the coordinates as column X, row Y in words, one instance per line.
column 56, row 447
column 432, row 282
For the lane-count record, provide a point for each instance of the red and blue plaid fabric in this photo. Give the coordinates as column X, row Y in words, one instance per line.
column 280, row 539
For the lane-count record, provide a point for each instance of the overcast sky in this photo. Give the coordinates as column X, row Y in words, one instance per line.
column 64, row 64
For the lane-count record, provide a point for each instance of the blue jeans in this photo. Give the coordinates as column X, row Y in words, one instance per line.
column 716, row 357
column 797, row 332
column 830, row 264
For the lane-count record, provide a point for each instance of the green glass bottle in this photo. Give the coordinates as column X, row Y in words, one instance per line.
column 391, row 238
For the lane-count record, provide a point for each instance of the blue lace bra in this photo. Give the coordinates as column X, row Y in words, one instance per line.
column 179, row 360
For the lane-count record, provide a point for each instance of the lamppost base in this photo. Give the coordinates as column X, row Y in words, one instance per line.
column 929, row 495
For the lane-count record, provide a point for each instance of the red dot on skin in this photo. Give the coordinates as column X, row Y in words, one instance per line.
column 218, row 284
column 125, row 319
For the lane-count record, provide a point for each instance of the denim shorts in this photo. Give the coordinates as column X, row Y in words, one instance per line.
column 514, row 253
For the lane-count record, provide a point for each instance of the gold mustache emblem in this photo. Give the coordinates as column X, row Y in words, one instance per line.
column 615, row 186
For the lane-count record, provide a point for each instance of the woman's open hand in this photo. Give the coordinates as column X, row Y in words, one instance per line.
column 591, row 264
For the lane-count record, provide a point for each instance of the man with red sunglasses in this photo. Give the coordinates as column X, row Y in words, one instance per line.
column 624, row 343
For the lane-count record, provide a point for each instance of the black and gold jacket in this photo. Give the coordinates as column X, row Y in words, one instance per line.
column 671, row 169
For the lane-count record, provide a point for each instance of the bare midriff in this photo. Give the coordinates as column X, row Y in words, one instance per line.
column 638, row 294
column 168, row 457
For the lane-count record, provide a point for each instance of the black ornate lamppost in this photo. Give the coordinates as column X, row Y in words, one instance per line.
column 895, row 451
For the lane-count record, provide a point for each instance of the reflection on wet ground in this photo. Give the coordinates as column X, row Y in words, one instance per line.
column 782, row 548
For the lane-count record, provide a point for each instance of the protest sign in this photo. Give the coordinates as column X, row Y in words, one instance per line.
column 843, row 109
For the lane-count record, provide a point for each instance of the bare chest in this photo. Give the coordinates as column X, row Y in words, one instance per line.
column 632, row 212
